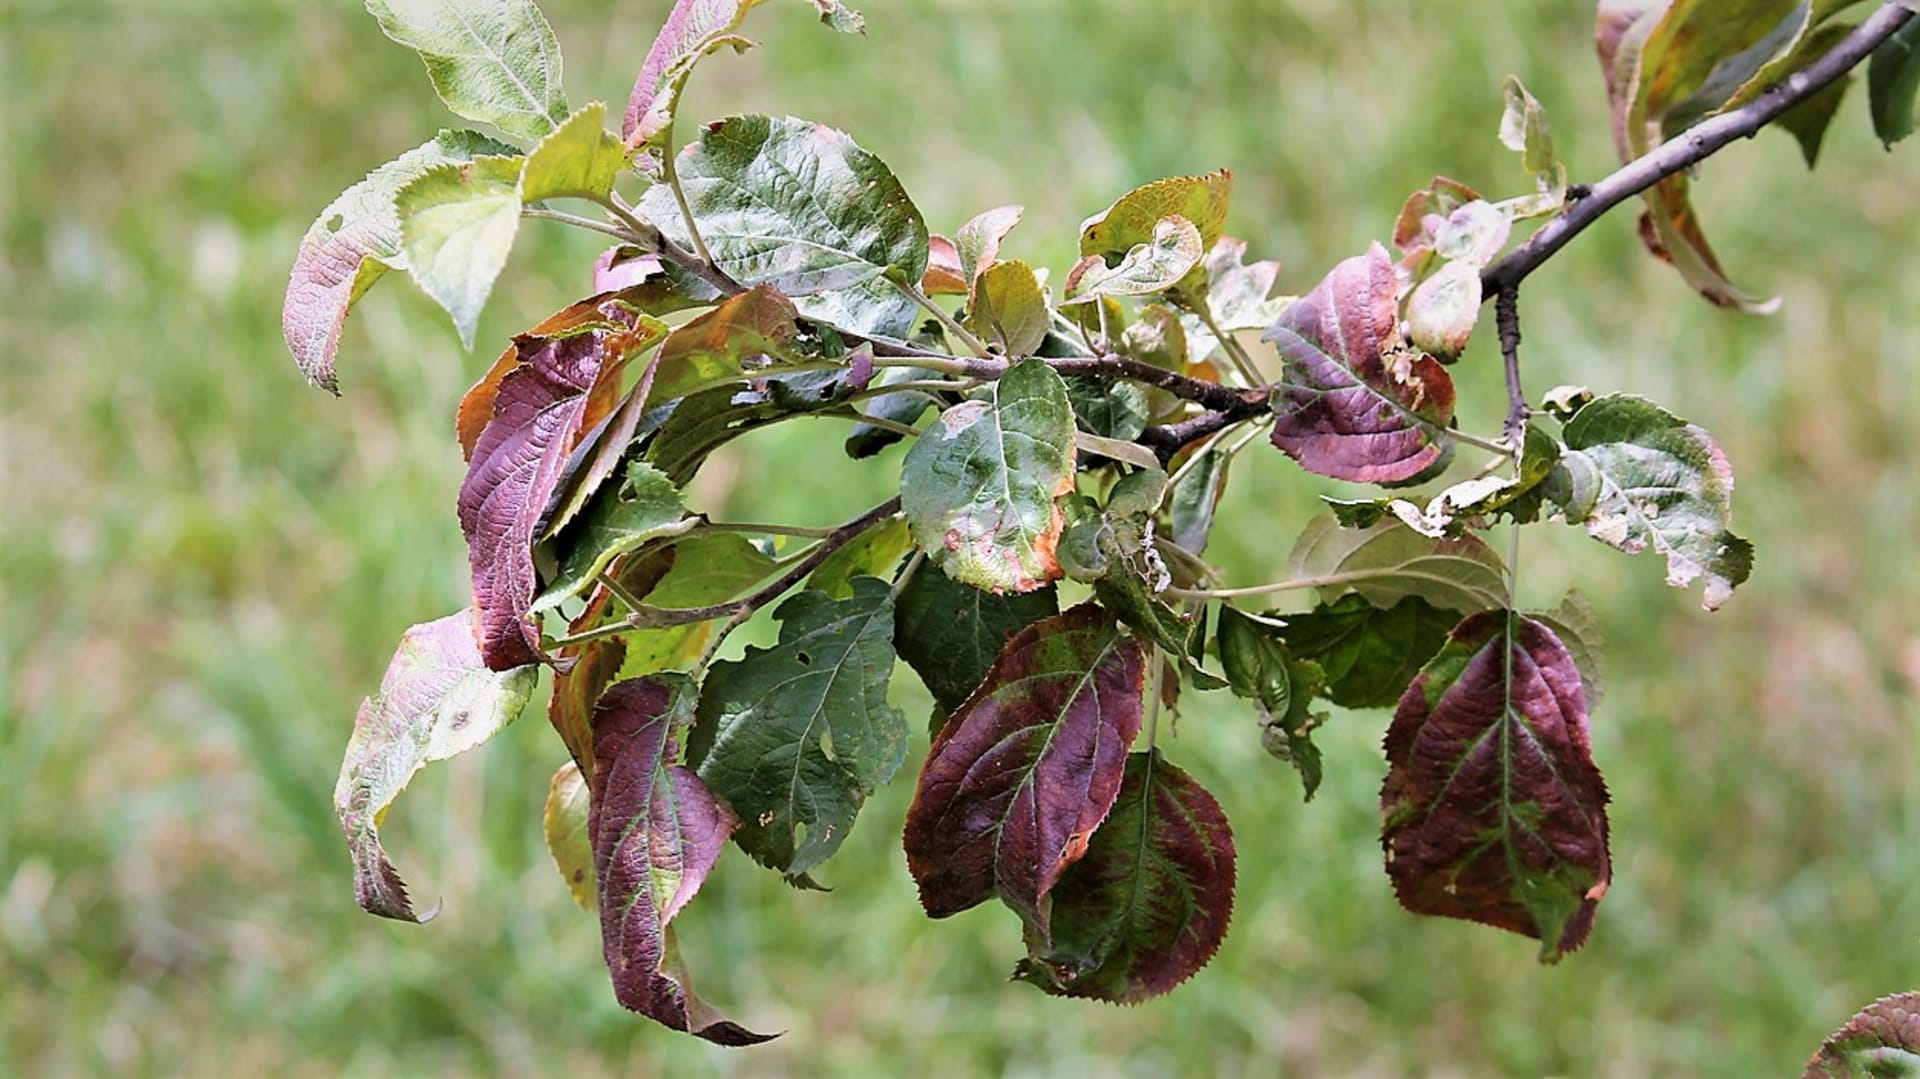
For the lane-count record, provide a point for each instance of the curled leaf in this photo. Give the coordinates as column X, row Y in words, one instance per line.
column 1154, row 265
column 1135, row 217
column 693, row 29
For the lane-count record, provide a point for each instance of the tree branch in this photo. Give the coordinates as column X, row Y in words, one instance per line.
column 1506, row 319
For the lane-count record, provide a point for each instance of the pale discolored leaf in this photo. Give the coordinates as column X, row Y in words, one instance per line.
column 657, row 831
column 873, row 554
column 457, row 224
column 495, row 61
column 693, row 29
column 353, row 242
column 1149, row 904
column 1388, row 562
column 797, row 736
column 837, row 16
column 1352, row 404
column 1421, row 219
column 950, row 633
column 1009, row 308
column 437, row 700
column 1881, row 1041
column 581, row 159
column 1492, row 808
column 943, row 276
column 1443, row 310
column 977, row 244
column 1134, row 218
column 1154, row 265
column 981, row 487
column 1025, row 770
column 564, row 823
column 1524, row 129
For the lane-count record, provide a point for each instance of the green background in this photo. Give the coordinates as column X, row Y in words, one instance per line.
column 204, row 565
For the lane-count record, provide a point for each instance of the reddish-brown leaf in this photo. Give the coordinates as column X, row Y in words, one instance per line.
column 1492, row 808
column 1882, row 1038
column 1028, row 766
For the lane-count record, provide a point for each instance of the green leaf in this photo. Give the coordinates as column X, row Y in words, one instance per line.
column 1640, row 478
column 1368, row 653
column 352, row 244
column 1893, row 81
column 1388, row 562
column 621, row 518
column 1009, row 309
column 1881, row 1041
column 437, row 700
column 1135, row 217
column 495, row 61
column 1154, row 265
column 980, row 488
column 1808, row 121
column 565, row 825
column 1524, row 129
column 1111, row 408
column 1195, row 497
column 1261, row 668
column 795, row 737
column 949, row 632
column 757, row 326
column 457, row 224
column 872, row 554
column 706, row 569
column 799, row 206
column 581, row 159
column 1148, row 905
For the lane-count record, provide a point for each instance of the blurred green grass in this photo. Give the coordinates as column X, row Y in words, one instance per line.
column 204, row 565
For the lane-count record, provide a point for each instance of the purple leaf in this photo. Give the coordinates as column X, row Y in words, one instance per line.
column 657, row 832
column 693, row 29
column 1492, row 808
column 1356, row 403
column 1882, row 1038
column 1028, row 766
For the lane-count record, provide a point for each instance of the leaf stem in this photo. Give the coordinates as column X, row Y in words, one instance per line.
column 907, row 572
column 1242, row 362
column 1506, row 315
column 948, row 322
column 672, row 173
column 884, row 424
column 603, row 227
column 620, row 591
column 767, row 530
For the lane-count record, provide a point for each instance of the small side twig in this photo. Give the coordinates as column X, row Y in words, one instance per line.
column 1506, row 318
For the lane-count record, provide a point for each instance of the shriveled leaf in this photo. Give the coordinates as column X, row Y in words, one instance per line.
column 355, row 240
column 1148, row 905
column 1578, row 628
column 1353, row 404
column 1027, row 768
column 1135, row 217
column 1524, row 129
column 568, row 839
column 693, row 29
column 495, row 61
column 1261, row 668
column 1893, row 81
column 457, row 224
column 437, row 700
column 977, row 244
column 1239, row 292
column 1388, row 562
column 1881, row 1041
column 1492, row 808
column 1640, row 478
column 622, row 517
column 981, row 487
column 1422, row 217
column 581, row 159
column 1158, row 336
column 1473, row 501
column 798, row 206
column 657, row 831
column 1443, row 310
column 950, row 633
column 715, row 349
column 795, row 737
column 1369, row 654
column 1154, row 265
column 837, row 16
column 1009, row 309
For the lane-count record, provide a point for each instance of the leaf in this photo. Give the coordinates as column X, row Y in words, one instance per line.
column 1027, row 768
column 561, row 389
column 1110, row 408
column 795, row 737
column 866, row 439
column 457, row 224
column 1640, row 478
column 1388, row 562
column 657, row 831
column 353, row 242
column 1808, row 121
column 1473, row 233
column 871, row 554
column 436, row 700
column 1261, row 668
column 1473, row 501
column 837, row 16
column 1369, row 654
column 1195, row 497
column 981, row 487
column 1422, row 217
column 621, row 518
column 495, row 61
column 1009, row 309
column 1239, row 292
column 1881, row 1040
column 1578, row 628
column 798, row 206
column 950, row 633
column 1149, row 904
column 1893, row 81
column 943, row 276
column 1349, row 405
column 1135, row 217
column 977, row 244
column 706, row 569
column 1443, row 310
column 703, row 422
column 693, row 29
column 1493, row 810
column 581, row 159
column 568, row 839
column 1524, row 129
column 757, row 326
column 1154, row 265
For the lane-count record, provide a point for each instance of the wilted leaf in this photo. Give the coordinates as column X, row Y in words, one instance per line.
column 837, row 16
column 693, row 29
column 943, row 276
column 1261, row 668
column 1493, row 810
column 657, row 831
column 1881, row 1041
column 798, row 206
column 581, row 159
column 1351, row 404
column 1388, row 562
column 1640, row 478
column 1135, row 217
column 1471, row 501
column 457, row 224
column 623, row 516
column 1153, row 265
column 495, row 61
column 980, row 488
column 1893, row 80
column 568, row 839
column 1369, row 654
column 355, row 240
column 1009, row 309
column 436, row 700
column 1239, row 292
column 950, row 633
column 1028, row 766
column 1422, row 217
column 1524, row 129
column 795, row 737
column 1149, row 904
